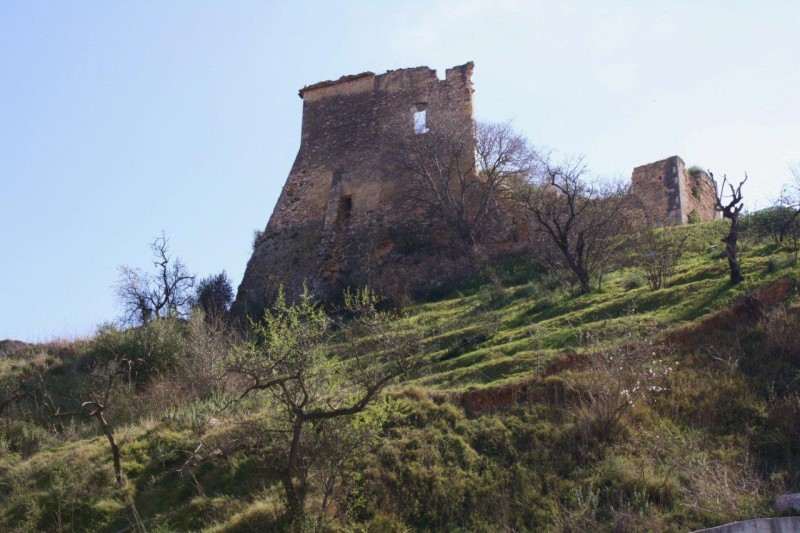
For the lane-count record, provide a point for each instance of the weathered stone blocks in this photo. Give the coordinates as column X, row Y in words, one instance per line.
column 670, row 194
column 341, row 218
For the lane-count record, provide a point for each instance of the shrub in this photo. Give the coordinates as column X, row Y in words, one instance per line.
column 634, row 281
column 773, row 265
column 658, row 252
column 258, row 236
column 214, row 294
column 775, row 224
column 782, row 328
column 155, row 348
column 616, row 378
column 694, row 170
column 25, row 438
column 780, row 439
column 694, row 217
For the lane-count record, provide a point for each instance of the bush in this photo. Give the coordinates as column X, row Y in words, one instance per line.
column 782, row 328
column 658, row 252
column 772, row 265
column 613, row 382
column 772, row 224
column 215, row 294
column 155, row 348
column 258, row 236
column 24, row 438
column 634, row 281
column 695, row 169
column 694, row 217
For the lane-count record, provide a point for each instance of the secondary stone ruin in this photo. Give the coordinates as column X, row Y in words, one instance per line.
column 671, row 194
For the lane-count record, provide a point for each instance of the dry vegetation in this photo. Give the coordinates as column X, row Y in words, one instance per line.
column 638, row 406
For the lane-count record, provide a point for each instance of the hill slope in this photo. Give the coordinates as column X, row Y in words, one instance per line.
column 625, row 409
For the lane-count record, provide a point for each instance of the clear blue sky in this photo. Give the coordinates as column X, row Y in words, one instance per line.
column 120, row 119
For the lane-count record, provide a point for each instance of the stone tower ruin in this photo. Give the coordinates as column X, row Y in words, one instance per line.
column 672, row 195
column 340, row 220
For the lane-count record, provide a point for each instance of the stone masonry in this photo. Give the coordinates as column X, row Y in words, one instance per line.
column 672, row 195
column 340, row 220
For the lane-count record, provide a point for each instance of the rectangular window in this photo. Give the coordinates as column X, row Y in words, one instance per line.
column 420, row 118
column 345, row 209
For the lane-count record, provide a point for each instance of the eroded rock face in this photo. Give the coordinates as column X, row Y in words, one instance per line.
column 342, row 219
column 671, row 195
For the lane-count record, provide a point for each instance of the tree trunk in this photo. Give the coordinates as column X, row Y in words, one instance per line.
column 584, row 280
column 577, row 269
column 295, row 495
column 732, row 251
column 114, row 446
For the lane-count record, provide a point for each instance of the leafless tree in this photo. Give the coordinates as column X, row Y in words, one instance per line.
column 165, row 292
column 731, row 207
column 583, row 220
column 789, row 202
column 612, row 382
column 658, row 252
column 288, row 357
column 93, row 400
column 209, row 340
column 460, row 171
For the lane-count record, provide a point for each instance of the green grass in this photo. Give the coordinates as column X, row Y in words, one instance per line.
column 436, row 468
column 525, row 319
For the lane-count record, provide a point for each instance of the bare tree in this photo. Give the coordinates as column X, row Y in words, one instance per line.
column 166, row 292
column 289, row 357
column 209, row 340
column 790, row 203
column 583, row 220
column 94, row 399
column 731, row 208
column 615, row 378
column 658, row 252
column 459, row 172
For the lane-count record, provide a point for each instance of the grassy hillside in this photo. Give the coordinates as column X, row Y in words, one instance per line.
column 624, row 409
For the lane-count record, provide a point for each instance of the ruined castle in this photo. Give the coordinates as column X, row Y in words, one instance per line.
column 343, row 219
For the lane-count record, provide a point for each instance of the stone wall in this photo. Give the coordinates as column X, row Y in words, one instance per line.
column 701, row 196
column 670, row 195
column 340, row 219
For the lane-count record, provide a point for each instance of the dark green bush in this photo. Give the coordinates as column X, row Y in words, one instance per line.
column 155, row 348
column 633, row 281
column 767, row 224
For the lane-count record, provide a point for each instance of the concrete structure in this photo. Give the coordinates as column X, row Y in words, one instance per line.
column 787, row 524
column 341, row 218
column 672, row 195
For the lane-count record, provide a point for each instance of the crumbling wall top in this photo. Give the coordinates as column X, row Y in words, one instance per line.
column 657, row 164
column 330, row 83
column 460, row 73
column 365, row 81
